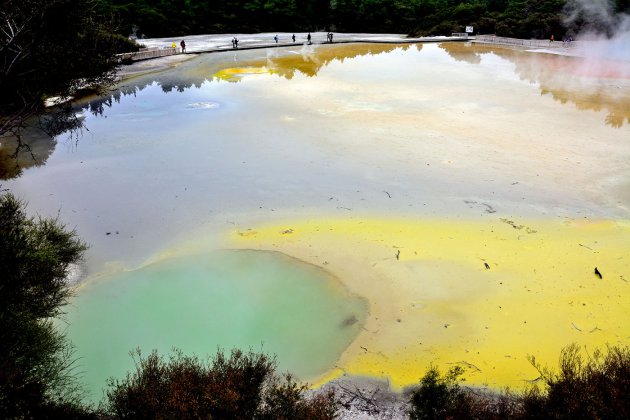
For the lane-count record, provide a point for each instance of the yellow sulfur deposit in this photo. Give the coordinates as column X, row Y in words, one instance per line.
column 483, row 294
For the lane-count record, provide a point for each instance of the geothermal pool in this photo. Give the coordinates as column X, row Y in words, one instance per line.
column 243, row 299
column 355, row 193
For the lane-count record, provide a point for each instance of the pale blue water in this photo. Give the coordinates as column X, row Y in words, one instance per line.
column 180, row 150
column 265, row 301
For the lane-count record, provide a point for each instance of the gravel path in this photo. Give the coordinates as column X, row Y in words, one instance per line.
column 215, row 43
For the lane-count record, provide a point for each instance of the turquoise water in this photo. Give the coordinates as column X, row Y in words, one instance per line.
column 245, row 299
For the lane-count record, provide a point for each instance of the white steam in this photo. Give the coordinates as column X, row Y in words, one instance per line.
column 604, row 34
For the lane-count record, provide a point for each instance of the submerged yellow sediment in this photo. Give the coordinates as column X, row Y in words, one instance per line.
column 233, row 74
column 482, row 294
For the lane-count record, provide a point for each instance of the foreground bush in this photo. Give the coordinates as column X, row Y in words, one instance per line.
column 36, row 374
column 438, row 396
column 595, row 386
column 241, row 386
column 441, row 397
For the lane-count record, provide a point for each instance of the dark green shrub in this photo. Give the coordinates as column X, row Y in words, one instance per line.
column 594, row 386
column 586, row 386
column 122, row 44
column 35, row 359
column 284, row 400
column 445, row 28
column 241, row 386
column 50, row 48
column 439, row 397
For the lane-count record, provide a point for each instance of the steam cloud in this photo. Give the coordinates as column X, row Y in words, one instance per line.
column 607, row 33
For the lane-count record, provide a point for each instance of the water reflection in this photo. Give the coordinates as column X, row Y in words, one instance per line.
column 466, row 53
column 32, row 144
column 589, row 86
column 308, row 61
column 566, row 79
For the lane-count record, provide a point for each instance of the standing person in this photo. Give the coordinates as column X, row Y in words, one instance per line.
column 275, row 38
column 551, row 39
column 293, row 37
column 331, row 35
column 235, row 42
column 183, row 45
column 308, row 38
column 233, row 46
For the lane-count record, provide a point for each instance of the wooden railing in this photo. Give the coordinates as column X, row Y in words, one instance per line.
column 536, row 43
column 146, row 53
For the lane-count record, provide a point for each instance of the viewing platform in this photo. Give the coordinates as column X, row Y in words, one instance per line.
column 146, row 54
column 197, row 44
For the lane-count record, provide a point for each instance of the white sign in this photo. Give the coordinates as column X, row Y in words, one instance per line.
column 469, row 29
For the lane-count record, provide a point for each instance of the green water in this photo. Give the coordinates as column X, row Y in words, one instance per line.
column 247, row 299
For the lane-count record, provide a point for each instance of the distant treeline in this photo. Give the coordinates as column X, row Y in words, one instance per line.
column 515, row 18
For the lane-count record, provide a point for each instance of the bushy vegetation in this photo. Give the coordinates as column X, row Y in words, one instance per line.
column 35, row 359
column 594, row 386
column 438, row 396
column 442, row 397
column 241, row 386
column 51, row 48
column 517, row 18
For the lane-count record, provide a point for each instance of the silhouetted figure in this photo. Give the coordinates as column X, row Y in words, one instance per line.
column 597, row 273
column 308, row 38
column 235, row 42
column 293, row 38
column 551, row 39
column 183, row 45
column 331, row 35
column 233, row 46
column 275, row 38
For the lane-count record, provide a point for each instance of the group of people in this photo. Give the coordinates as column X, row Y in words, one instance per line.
column 329, row 38
column 308, row 38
